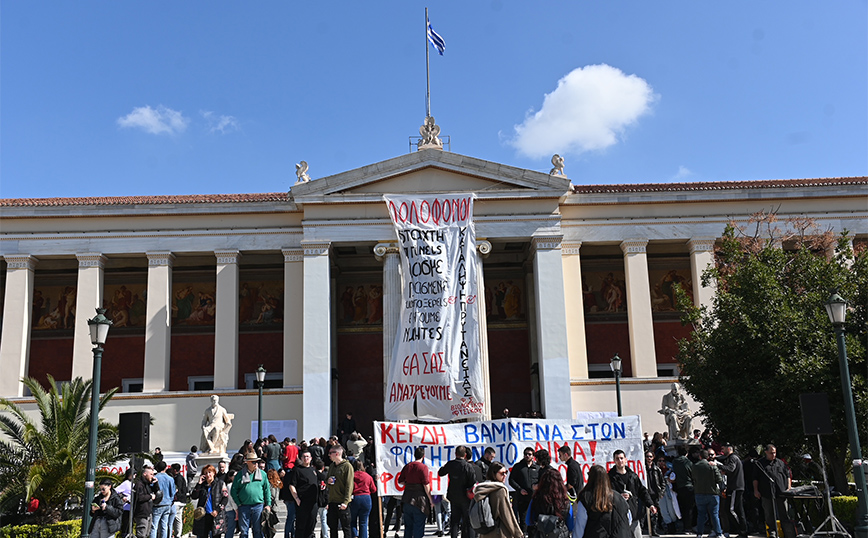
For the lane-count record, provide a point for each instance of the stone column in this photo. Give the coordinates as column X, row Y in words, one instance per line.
column 293, row 316
column 575, row 310
column 643, row 357
column 158, row 331
column 484, row 248
column 701, row 256
column 317, row 354
column 551, row 328
column 88, row 297
column 389, row 254
column 530, row 302
column 17, row 322
column 226, row 320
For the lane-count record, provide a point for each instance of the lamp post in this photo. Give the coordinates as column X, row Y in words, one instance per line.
column 836, row 307
column 99, row 327
column 615, row 363
column 260, row 382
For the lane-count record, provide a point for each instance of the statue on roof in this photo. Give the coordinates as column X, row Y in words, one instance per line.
column 430, row 135
column 301, row 172
column 558, row 163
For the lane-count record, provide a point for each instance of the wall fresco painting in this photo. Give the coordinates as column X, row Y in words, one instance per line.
column 126, row 304
column 505, row 299
column 193, row 304
column 663, row 283
column 360, row 303
column 604, row 292
column 260, row 303
column 53, row 307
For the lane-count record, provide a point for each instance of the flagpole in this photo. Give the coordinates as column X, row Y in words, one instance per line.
column 427, row 71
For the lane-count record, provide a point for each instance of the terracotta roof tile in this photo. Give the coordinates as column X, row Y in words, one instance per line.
column 147, row 200
column 720, row 185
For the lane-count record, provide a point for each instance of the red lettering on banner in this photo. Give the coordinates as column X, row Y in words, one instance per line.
column 578, row 451
column 436, row 212
column 593, row 446
column 386, row 433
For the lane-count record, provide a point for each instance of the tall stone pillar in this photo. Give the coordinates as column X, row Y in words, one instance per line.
column 88, row 297
column 293, row 316
column 317, row 352
column 226, row 320
column 551, row 328
column 701, row 256
column 643, row 357
column 575, row 308
column 158, row 328
column 17, row 322
column 389, row 254
column 484, row 248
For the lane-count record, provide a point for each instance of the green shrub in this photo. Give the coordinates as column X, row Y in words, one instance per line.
column 64, row 529
column 845, row 508
column 187, row 517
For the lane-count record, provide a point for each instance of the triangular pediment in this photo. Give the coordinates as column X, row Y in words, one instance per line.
column 430, row 170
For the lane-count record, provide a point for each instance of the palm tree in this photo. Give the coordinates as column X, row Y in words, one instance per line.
column 45, row 459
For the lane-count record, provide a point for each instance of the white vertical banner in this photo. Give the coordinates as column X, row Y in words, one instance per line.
column 436, row 362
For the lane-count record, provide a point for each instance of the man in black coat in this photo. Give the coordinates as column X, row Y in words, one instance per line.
column 626, row 482
column 771, row 479
column 522, row 479
column 462, row 477
column 575, row 477
column 143, row 499
column 732, row 507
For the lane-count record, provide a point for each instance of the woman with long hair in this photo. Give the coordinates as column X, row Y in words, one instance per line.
column 550, row 511
column 600, row 512
column 212, row 495
column 494, row 489
column 360, row 506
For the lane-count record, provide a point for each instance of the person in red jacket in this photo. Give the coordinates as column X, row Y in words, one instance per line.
column 360, row 506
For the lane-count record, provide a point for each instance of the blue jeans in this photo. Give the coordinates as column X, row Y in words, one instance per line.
column 289, row 528
column 323, row 523
column 414, row 521
column 161, row 524
column 707, row 506
column 249, row 517
column 360, row 510
column 230, row 523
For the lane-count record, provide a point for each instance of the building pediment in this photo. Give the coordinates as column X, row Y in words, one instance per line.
column 430, row 170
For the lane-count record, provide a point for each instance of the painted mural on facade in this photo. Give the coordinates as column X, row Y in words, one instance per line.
column 663, row 283
column 604, row 292
column 505, row 299
column 360, row 303
column 126, row 304
column 260, row 303
column 53, row 307
column 193, row 304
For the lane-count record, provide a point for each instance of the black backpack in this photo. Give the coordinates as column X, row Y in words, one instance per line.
column 551, row 526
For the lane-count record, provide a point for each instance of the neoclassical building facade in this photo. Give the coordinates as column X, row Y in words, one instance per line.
column 203, row 289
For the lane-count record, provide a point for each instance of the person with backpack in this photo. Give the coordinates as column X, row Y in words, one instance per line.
column 550, row 514
column 491, row 515
column 462, row 477
column 600, row 513
column 417, row 494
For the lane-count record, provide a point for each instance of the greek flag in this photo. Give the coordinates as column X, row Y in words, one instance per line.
column 436, row 40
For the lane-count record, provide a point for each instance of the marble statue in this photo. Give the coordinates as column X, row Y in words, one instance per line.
column 301, row 172
column 678, row 416
column 558, row 163
column 430, row 135
column 215, row 428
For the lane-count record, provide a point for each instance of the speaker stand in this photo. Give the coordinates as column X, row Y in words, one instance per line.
column 835, row 527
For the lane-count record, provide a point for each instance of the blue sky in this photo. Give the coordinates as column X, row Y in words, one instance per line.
column 132, row 98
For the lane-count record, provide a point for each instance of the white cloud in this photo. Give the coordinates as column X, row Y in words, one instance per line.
column 220, row 124
column 588, row 110
column 683, row 172
column 160, row 120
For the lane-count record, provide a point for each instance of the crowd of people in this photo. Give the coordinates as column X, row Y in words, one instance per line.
column 332, row 483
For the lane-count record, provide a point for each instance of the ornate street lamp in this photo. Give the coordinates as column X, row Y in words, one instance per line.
column 99, row 328
column 836, row 307
column 260, row 382
column 615, row 364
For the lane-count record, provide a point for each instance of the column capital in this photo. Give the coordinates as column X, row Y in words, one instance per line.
column 634, row 246
column 20, row 261
column 483, row 246
column 316, row 248
column 227, row 257
column 701, row 244
column 91, row 259
column 160, row 259
column 292, row 254
column 571, row 248
column 545, row 242
column 381, row 250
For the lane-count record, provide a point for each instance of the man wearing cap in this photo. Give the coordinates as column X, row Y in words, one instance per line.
column 733, row 507
column 252, row 493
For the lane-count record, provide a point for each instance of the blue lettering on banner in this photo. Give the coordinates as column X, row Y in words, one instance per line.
column 606, row 430
column 620, row 429
column 556, row 432
column 593, row 430
column 514, row 431
column 542, row 432
column 578, row 429
column 470, row 434
column 498, row 430
column 526, row 434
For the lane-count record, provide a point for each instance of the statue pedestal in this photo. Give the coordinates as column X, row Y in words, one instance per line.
column 672, row 446
column 209, row 459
